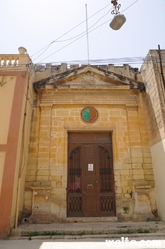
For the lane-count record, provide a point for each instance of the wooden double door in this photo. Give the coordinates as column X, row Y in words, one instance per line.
column 90, row 190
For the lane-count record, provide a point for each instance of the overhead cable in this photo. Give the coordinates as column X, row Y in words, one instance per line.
column 47, row 46
column 83, row 35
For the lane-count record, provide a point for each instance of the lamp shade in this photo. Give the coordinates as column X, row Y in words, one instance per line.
column 117, row 22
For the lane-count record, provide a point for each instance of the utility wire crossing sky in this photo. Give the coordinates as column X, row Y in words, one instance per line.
column 54, row 31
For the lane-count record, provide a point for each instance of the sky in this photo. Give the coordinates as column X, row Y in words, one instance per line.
column 54, row 31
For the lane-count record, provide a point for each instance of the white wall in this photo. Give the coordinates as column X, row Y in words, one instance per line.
column 158, row 156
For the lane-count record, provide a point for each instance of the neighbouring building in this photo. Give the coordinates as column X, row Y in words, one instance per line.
column 16, row 101
column 81, row 141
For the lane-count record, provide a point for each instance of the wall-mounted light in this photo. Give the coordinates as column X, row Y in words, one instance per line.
column 119, row 19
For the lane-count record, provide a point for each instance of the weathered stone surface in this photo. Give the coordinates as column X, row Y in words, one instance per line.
column 120, row 111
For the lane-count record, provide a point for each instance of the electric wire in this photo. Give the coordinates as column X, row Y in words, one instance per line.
column 74, row 41
column 122, row 60
column 130, row 6
column 85, row 30
column 47, row 46
column 80, row 35
column 106, row 61
column 85, row 33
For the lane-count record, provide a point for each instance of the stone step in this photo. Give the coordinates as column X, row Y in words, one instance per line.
column 88, row 228
column 91, row 219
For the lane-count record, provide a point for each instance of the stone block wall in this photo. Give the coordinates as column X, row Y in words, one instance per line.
column 155, row 95
column 49, row 70
column 125, row 117
column 155, row 104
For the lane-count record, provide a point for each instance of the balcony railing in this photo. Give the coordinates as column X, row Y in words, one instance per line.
column 14, row 60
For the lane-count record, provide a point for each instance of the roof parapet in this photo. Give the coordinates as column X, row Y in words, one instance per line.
column 14, row 60
column 43, row 71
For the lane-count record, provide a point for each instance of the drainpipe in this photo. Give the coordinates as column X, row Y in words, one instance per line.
column 17, row 204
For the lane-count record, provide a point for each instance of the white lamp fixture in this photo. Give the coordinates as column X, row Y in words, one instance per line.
column 117, row 22
column 119, row 19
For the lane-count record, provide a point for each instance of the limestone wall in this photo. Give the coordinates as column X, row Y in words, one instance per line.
column 48, row 70
column 46, row 177
column 155, row 103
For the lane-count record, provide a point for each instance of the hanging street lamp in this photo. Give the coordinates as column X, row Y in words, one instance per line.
column 119, row 19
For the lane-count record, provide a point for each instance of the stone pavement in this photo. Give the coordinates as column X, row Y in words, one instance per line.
column 70, row 244
column 80, row 230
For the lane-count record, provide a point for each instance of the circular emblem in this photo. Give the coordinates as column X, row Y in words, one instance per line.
column 89, row 114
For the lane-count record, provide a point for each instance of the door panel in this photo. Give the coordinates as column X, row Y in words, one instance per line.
column 90, row 206
column 75, row 200
column 90, row 179
column 89, row 151
column 90, row 175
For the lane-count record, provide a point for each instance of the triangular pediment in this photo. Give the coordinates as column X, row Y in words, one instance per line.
column 87, row 77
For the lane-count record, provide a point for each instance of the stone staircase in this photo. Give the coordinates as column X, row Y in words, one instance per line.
column 90, row 229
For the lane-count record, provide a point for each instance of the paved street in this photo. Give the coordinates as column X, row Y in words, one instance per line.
column 78, row 244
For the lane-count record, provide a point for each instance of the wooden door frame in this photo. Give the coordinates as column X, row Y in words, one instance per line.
column 112, row 150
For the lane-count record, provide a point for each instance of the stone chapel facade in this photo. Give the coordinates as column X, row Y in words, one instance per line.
column 89, row 140
column 114, row 142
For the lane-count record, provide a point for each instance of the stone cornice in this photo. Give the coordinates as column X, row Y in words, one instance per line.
column 89, row 77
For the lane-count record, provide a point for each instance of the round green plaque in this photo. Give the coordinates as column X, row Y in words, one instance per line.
column 89, row 114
